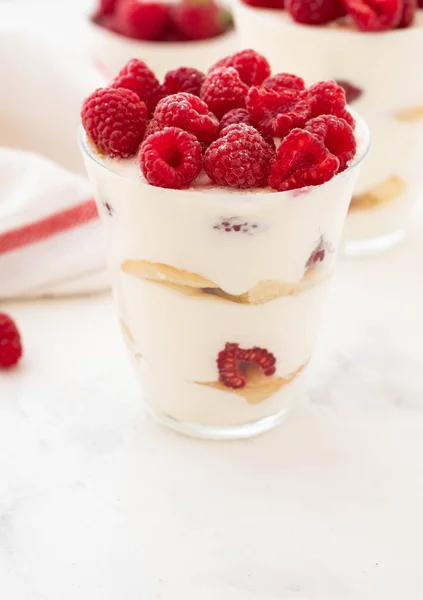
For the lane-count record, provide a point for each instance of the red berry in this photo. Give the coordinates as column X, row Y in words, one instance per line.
column 190, row 113
column 374, row 15
column 171, row 158
column 232, row 363
column 275, row 113
column 106, row 7
column 142, row 20
column 281, row 81
column 237, row 225
column 136, row 76
column 239, row 159
column 234, row 117
column 184, row 79
column 115, row 120
column 301, row 160
column 199, row 20
column 318, row 255
column 153, row 126
column 252, row 67
column 408, row 13
column 223, row 90
column 265, row 3
column 420, row 3
column 315, row 12
column 10, row 342
column 352, row 92
column 328, row 98
column 337, row 136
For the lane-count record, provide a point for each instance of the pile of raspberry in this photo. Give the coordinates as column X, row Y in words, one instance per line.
column 365, row 15
column 161, row 21
column 239, row 125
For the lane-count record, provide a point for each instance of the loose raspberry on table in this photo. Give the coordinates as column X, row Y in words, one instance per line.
column 239, row 159
column 315, row 12
column 337, row 136
column 142, row 20
column 136, row 76
column 184, row 79
column 252, row 67
column 200, row 19
column 281, row 81
column 408, row 13
column 223, row 90
column 301, row 160
column 275, row 113
column 374, row 15
column 171, row 158
column 234, row 117
column 233, row 361
column 187, row 112
column 115, row 120
column 352, row 92
column 265, row 3
column 10, row 342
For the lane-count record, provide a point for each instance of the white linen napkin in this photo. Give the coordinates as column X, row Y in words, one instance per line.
column 50, row 238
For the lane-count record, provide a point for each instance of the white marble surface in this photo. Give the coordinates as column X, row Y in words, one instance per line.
column 98, row 502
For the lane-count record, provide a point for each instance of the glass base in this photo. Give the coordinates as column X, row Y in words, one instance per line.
column 214, row 432
column 371, row 246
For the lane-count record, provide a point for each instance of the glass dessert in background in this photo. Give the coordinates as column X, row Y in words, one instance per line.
column 373, row 56
column 164, row 34
column 223, row 213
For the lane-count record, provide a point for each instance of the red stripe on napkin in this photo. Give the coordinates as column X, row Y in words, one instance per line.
column 48, row 227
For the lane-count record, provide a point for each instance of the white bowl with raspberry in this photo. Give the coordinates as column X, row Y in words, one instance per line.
column 160, row 34
column 220, row 245
column 374, row 58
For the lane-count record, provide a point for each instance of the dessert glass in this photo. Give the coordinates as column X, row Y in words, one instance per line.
column 383, row 66
column 193, row 270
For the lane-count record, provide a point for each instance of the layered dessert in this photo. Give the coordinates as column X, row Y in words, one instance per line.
column 223, row 211
column 371, row 49
column 164, row 34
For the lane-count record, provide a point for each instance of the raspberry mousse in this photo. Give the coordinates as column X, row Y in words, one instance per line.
column 223, row 209
column 165, row 35
column 370, row 49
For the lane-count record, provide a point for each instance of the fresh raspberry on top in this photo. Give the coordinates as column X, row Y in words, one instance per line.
column 315, row 12
column 408, row 13
column 199, row 19
column 238, row 159
column 252, row 67
column 115, row 120
column 301, row 160
column 136, row 76
column 281, row 81
column 337, row 136
column 265, row 3
column 234, row 117
column 142, row 20
column 223, row 90
column 187, row 112
column 275, row 113
column 106, row 7
column 184, row 79
column 10, row 342
column 374, row 15
column 328, row 98
column 232, row 363
column 170, row 158
column 352, row 92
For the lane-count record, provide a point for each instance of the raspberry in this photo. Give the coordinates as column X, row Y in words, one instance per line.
column 142, row 20
column 328, row 98
column 239, row 159
column 352, row 92
column 10, row 342
column 337, row 136
column 281, row 81
column 115, row 120
column 236, row 225
column 107, row 7
column 199, row 19
column 275, row 113
column 239, row 127
column 223, row 90
column 374, row 15
column 301, row 160
column 153, row 126
column 252, row 67
column 190, row 113
column 420, row 3
column 265, row 3
column 136, row 76
column 233, row 361
column 408, row 12
column 319, row 254
column 170, row 158
column 315, row 12
column 183, row 79
column 234, row 117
